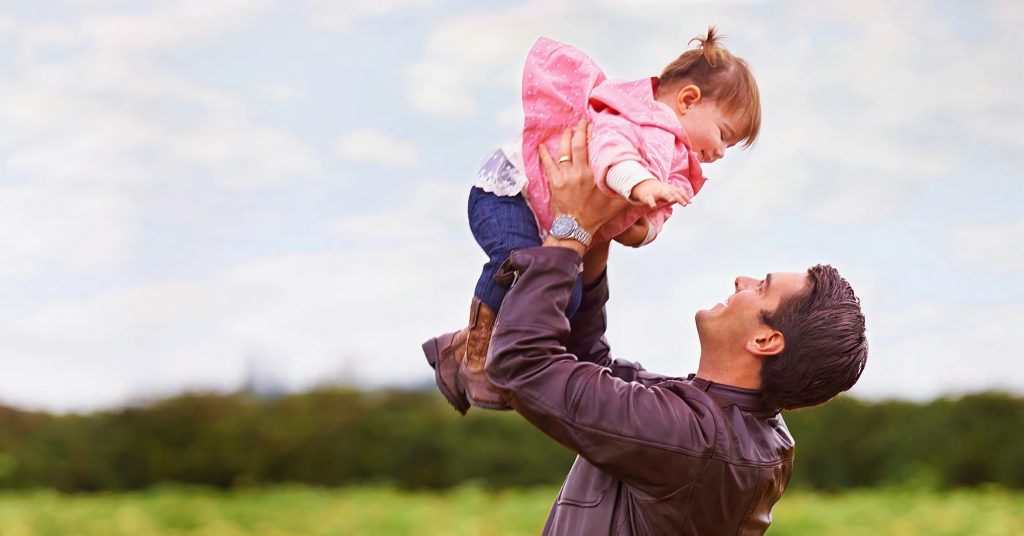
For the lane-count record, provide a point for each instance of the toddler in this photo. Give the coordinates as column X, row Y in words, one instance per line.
column 648, row 142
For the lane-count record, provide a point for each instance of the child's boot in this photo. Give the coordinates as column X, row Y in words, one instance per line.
column 458, row 361
column 479, row 390
column 445, row 354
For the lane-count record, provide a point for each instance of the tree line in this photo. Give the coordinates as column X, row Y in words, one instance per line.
column 411, row 439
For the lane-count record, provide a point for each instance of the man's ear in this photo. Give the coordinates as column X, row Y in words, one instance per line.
column 767, row 344
column 687, row 97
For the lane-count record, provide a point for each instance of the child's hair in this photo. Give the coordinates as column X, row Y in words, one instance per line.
column 722, row 78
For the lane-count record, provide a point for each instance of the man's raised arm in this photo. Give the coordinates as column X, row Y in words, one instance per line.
column 610, row 422
column 587, row 327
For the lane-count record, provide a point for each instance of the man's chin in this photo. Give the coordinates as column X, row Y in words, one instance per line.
column 702, row 316
column 702, row 321
column 711, row 311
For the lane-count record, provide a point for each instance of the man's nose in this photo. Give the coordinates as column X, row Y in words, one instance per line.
column 743, row 282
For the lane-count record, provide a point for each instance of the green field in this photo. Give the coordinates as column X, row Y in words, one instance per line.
column 467, row 511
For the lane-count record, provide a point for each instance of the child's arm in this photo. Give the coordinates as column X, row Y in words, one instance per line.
column 625, row 165
column 620, row 167
column 617, row 163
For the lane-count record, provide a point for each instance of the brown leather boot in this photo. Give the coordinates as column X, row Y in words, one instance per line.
column 479, row 390
column 445, row 354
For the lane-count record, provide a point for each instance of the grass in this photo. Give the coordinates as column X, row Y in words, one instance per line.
column 379, row 511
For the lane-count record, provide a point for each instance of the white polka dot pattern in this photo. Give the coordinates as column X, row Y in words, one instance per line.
column 561, row 85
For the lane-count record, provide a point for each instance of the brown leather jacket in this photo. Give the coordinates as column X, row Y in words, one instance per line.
column 656, row 455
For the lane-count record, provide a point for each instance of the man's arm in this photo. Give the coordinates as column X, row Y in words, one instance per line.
column 587, row 327
column 649, row 437
column 586, row 336
column 573, row 191
column 654, row 438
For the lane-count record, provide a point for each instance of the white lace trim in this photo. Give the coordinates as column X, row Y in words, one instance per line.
column 502, row 173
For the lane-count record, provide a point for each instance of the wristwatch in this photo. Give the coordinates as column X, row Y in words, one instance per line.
column 567, row 227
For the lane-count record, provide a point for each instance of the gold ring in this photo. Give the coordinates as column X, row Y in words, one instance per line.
column 564, row 158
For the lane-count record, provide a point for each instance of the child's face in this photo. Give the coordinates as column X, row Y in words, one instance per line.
column 711, row 130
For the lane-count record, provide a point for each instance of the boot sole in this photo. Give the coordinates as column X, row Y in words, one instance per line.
column 497, row 406
column 433, row 354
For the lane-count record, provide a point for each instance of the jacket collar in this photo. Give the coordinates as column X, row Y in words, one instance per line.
column 746, row 399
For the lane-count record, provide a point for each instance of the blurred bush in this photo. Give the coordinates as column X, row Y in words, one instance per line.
column 975, row 439
column 411, row 439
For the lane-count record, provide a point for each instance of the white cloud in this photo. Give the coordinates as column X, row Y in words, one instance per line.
column 430, row 210
column 354, row 313
column 939, row 348
column 993, row 246
column 102, row 349
column 470, row 53
column 372, row 146
column 62, row 229
column 101, row 125
column 180, row 23
column 511, row 117
column 329, row 15
column 6, row 24
column 278, row 92
column 93, row 133
column 256, row 155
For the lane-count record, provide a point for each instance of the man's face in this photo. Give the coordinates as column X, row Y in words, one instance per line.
column 736, row 321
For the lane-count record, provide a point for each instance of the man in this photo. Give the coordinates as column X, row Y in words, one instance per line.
column 705, row 455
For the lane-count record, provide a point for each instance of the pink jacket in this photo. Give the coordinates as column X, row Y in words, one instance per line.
column 561, row 85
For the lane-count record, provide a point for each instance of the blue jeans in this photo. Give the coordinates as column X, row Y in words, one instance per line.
column 501, row 224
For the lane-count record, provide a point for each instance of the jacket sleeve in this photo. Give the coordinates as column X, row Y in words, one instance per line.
column 587, row 342
column 586, row 328
column 648, row 436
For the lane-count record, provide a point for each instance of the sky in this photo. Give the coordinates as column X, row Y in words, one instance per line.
column 193, row 190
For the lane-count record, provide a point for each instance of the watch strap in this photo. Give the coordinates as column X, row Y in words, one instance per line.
column 581, row 235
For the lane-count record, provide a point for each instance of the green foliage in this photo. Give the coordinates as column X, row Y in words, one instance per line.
column 412, row 440
column 906, row 512
column 329, row 437
column 468, row 510
column 964, row 442
column 280, row 511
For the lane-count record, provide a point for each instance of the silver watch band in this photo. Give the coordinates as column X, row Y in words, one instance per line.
column 581, row 234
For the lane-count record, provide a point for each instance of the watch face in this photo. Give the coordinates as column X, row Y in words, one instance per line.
column 562, row 226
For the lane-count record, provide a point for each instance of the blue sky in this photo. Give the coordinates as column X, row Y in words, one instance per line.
column 188, row 187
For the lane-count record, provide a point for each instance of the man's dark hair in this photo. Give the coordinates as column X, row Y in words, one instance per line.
column 826, row 348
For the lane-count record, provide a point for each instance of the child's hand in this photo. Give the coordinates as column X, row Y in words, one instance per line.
column 650, row 192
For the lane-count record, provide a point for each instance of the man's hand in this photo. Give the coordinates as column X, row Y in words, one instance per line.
column 571, row 181
column 653, row 192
